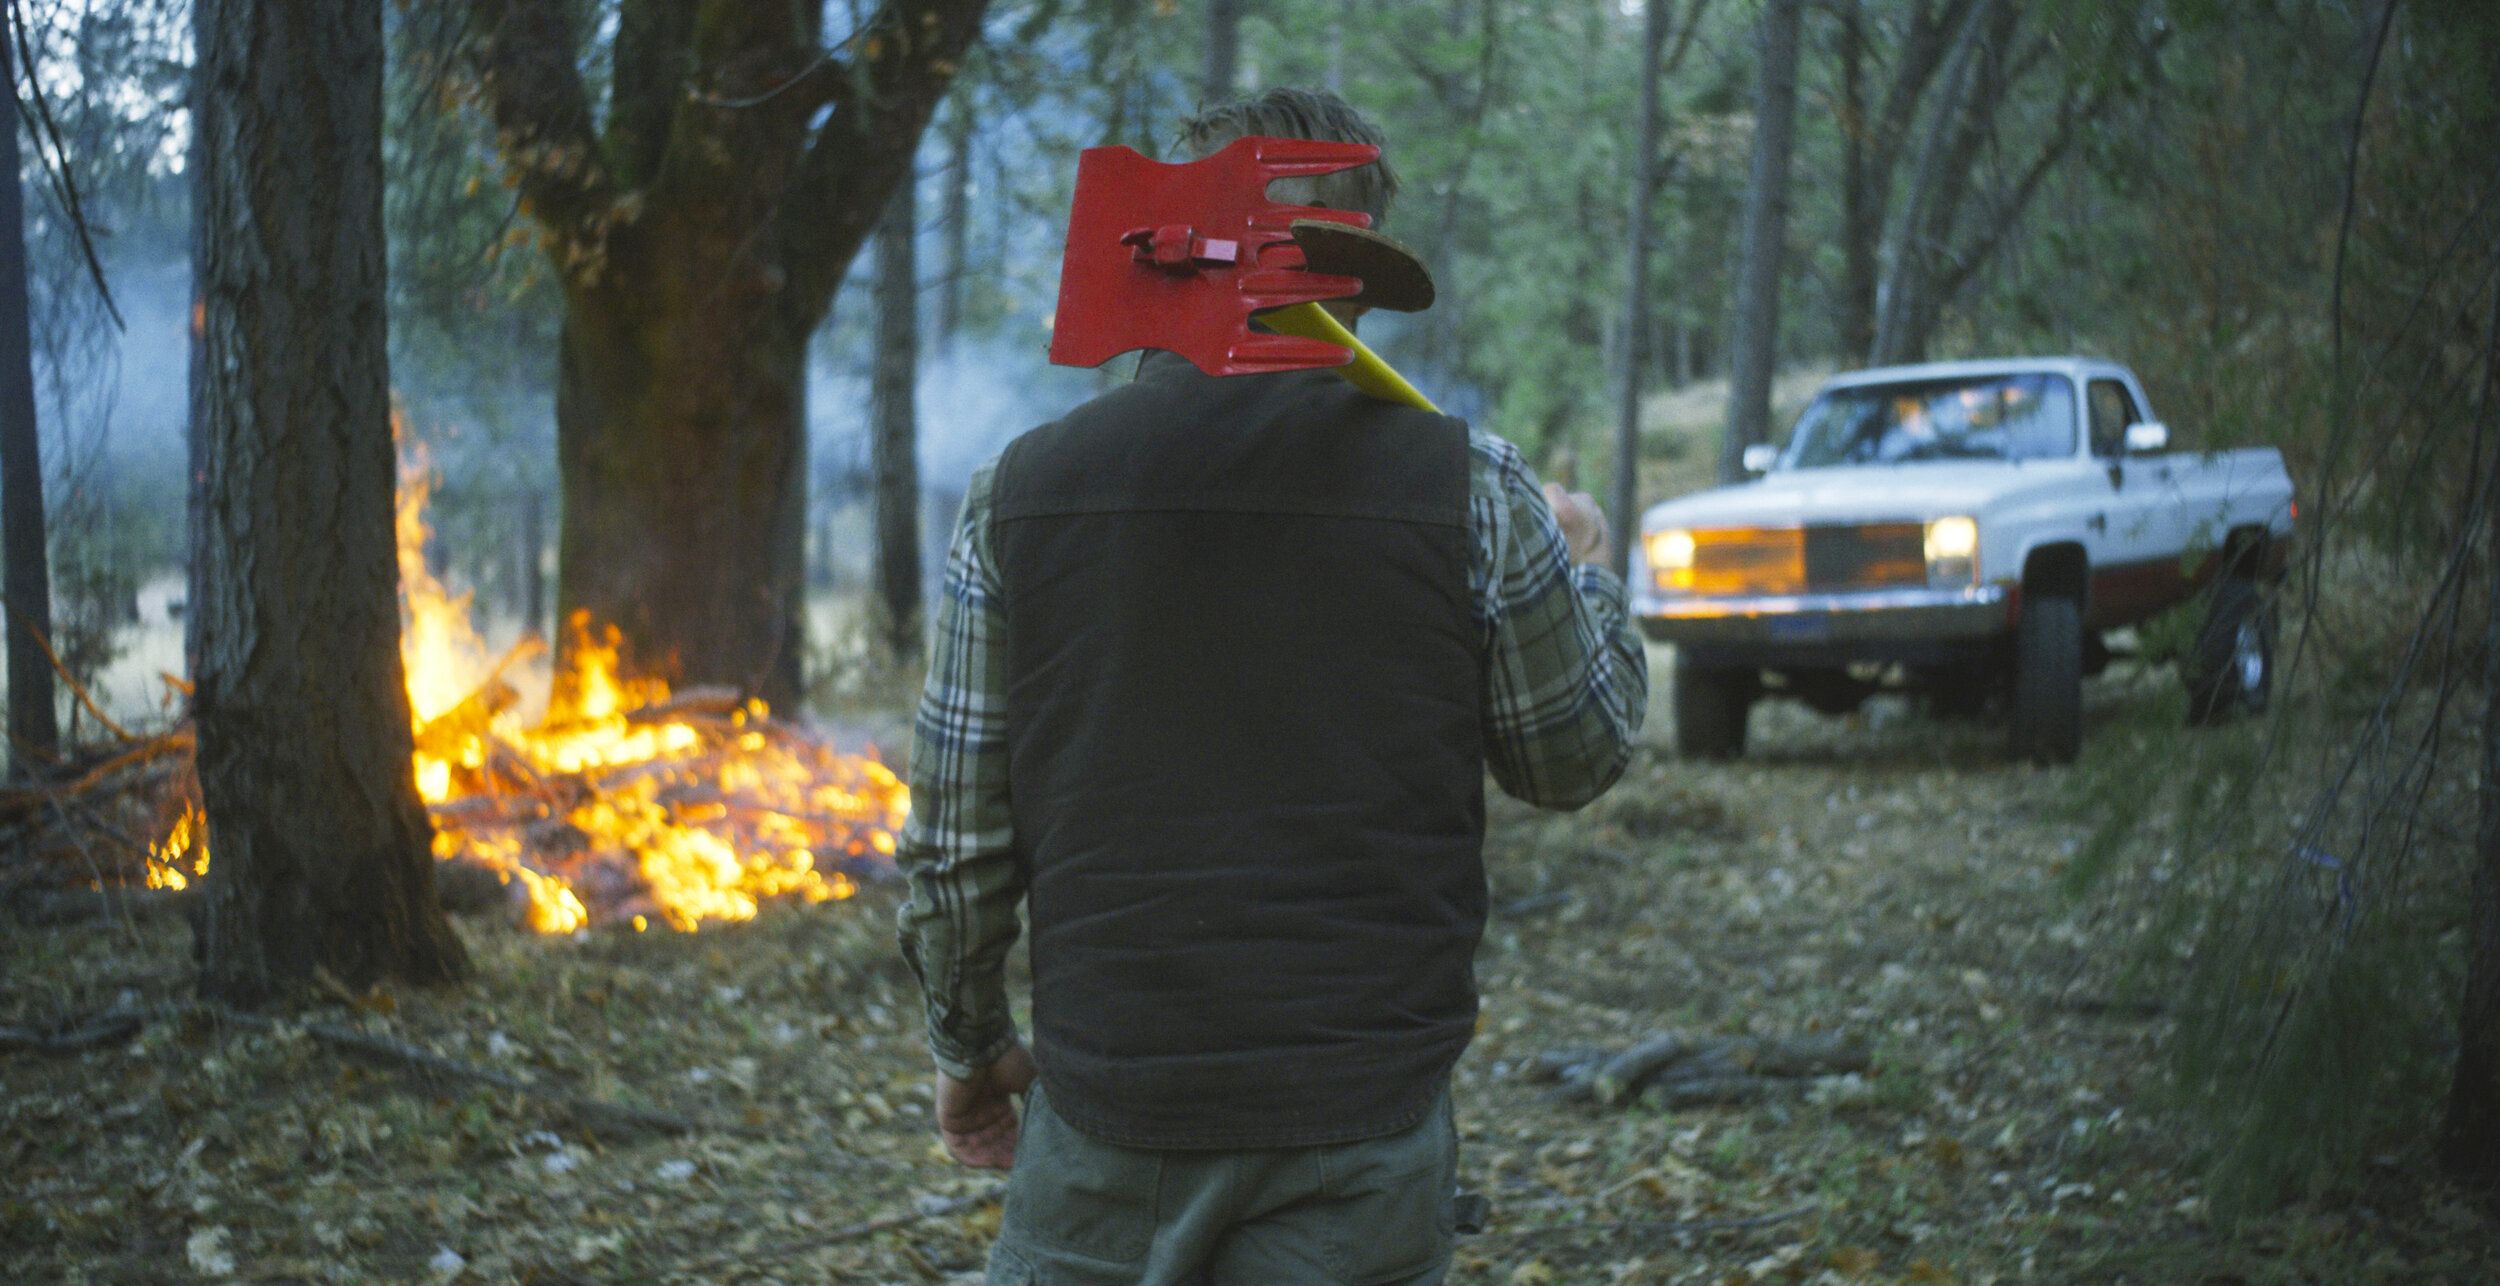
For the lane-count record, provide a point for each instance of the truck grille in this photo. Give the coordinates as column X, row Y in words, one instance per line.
column 1790, row 560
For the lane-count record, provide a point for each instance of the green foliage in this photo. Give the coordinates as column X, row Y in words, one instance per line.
column 2303, row 958
column 2311, row 1047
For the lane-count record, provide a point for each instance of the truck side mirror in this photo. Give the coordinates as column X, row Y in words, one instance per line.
column 2146, row 437
column 1760, row 456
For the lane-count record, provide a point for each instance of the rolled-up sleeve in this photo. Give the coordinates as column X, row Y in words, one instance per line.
column 1566, row 680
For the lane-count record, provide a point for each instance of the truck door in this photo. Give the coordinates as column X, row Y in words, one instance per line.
column 2135, row 552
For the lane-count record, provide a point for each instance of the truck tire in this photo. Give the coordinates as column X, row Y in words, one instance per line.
column 2048, row 680
column 1711, row 706
column 2231, row 666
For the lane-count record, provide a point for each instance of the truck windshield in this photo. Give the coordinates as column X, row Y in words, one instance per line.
column 1997, row 417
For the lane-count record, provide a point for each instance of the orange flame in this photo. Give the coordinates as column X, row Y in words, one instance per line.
column 626, row 802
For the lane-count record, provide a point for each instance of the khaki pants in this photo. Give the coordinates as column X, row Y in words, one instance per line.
column 1081, row 1212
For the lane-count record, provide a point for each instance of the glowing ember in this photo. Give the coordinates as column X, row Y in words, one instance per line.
column 626, row 802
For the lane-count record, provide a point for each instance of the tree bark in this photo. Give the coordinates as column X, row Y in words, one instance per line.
column 894, row 441
column 1753, row 341
column 1636, row 319
column 322, row 848
column 34, row 728
column 700, row 239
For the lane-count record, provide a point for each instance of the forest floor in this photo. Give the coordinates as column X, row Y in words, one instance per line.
column 1888, row 877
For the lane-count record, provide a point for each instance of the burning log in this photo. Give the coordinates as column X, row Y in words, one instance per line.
column 696, row 703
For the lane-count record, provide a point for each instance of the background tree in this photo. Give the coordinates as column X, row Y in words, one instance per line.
column 1223, row 49
column 894, row 433
column 323, row 850
column 34, row 732
column 1753, row 336
column 698, row 227
column 1645, row 176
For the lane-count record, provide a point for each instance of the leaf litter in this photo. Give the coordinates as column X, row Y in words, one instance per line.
column 1885, row 886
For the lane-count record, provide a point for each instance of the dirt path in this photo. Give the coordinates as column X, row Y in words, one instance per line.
column 1889, row 878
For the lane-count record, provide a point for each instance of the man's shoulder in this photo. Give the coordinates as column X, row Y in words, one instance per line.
column 1495, row 466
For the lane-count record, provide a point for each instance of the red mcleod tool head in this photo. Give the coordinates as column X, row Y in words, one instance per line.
column 1177, row 257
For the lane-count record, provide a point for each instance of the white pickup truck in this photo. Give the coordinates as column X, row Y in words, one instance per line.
column 1968, row 531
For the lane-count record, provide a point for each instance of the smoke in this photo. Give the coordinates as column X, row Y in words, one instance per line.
column 972, row 397
column 151, row 402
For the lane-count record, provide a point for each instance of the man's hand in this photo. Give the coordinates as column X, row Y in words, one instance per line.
column 1583, row 524
column 977, row 1115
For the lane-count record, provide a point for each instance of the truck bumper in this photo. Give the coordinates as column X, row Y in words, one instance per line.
column 1887, row 619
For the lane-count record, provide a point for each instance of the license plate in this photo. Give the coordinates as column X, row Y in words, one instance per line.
column 1801, row 627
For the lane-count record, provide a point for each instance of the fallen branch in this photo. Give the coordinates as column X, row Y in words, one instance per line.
column 102, row 1029
column 23, row 800
column 1668, row 1227
column 1674, row 1069
column 752, row 1259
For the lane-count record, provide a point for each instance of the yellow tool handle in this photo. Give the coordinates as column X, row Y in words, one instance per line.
column 1366, row 372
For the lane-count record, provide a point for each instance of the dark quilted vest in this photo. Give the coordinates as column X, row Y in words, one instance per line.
column 1247, row 756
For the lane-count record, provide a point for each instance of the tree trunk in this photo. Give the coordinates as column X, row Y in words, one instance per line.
column 894, row 441
column 34, row 732
column 1931, row 259
column 957, row 219
column 529, row 583
column 1636, row 320
column 1223, row 48
column 681, row 439
column 1860, row 228
column 1908, row 307
column 1753, row 341
column 322, row 848
column 700, row 239
column 1871, row 139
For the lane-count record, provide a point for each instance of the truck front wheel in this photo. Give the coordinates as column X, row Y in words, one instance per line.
column 2232, row 665
column 1711, row 706
column 2048, row 680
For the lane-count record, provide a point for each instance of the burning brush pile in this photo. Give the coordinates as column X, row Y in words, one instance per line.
column 623, row 803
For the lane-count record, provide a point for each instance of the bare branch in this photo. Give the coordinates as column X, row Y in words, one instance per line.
column 543, row 129
column 901, row 61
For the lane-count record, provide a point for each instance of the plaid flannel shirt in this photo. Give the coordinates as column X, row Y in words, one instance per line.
column 1565, row 689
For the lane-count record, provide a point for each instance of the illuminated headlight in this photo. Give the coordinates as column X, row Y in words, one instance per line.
column 1952, row 552
column 1671, row 558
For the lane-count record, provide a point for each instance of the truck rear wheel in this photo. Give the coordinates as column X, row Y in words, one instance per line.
column 1711, row 706
column 2048, row 680
column 2231, row 667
